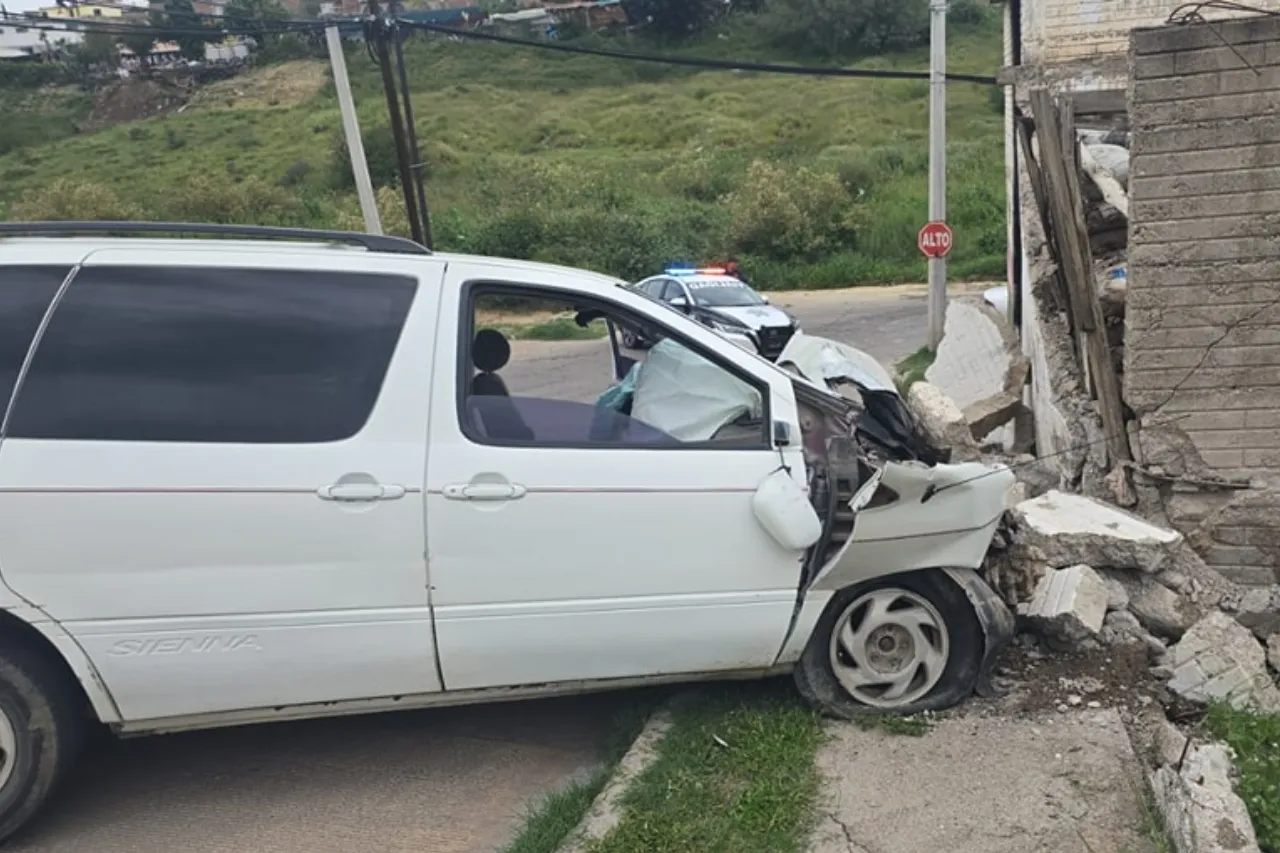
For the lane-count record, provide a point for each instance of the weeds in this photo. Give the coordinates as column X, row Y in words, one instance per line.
column 1255, row 738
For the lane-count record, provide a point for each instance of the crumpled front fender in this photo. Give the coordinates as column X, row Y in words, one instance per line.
column 998, row 626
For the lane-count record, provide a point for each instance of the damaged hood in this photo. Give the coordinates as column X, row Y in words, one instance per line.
column 827, row 361
column 822, row 373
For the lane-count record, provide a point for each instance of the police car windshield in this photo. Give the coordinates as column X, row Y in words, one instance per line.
column 722, row 293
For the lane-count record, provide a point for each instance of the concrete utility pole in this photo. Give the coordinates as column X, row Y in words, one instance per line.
column 351, row 130
column 937, row 163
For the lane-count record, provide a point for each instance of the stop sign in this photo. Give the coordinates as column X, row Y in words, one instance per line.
column 935, row 240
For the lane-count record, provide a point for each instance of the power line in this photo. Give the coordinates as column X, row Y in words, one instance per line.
column 693, row 61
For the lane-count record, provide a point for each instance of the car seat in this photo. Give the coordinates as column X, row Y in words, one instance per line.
column 490, row 352
column 500, row 420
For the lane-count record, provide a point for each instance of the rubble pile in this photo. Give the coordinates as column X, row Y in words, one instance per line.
column 1084, row 575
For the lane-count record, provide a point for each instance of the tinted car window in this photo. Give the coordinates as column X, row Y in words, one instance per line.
column 671, row 291
column 25, row 294
column 212, row 355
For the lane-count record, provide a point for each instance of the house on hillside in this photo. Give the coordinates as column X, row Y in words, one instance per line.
column 20, row 42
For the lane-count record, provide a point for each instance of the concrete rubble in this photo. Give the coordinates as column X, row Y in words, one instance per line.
column 1218, row 659
column 1200, row 810
column 979, row 367
column 1059, row 529
column 1068, row 604
column 942, row 421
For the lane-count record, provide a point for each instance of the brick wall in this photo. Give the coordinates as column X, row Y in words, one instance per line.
column 1202, row 327
column 1056, row 31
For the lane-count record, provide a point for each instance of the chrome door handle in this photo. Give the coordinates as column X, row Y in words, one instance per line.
column 360, row 492
column 484, row 491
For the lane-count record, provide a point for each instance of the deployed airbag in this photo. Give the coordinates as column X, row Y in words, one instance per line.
column 687, row 396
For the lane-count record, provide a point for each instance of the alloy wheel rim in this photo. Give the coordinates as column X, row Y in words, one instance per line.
column 889, row 648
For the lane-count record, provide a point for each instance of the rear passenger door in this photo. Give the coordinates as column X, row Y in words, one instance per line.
column 212, row 476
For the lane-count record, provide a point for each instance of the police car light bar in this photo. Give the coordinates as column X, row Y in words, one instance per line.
column 692, row 271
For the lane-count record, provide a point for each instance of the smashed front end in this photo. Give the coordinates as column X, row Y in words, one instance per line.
column 889, row 501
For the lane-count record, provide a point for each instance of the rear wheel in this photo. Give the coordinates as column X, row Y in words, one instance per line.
column 41, row 730
column 901, row 644
column 632, row 340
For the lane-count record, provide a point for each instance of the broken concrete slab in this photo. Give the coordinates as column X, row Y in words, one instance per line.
column 1162, row 611
column 985, row 416
column 1061, row 529
column 943, row 423
column 1122, row 628
column 1219, row 659
column 1201, row 811
column 1117, row 594
column 984, row 784
column 1259, row 611
column 975, row 355
column 1068, row 605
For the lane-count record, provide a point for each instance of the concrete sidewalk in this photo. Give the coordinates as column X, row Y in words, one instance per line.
column 1055, row 783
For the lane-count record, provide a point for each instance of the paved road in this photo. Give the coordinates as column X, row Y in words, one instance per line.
column 888, row 323
column 453, row 780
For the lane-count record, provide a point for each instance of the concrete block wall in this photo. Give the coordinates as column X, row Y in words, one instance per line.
column 1202, row 327
column 1058, row 31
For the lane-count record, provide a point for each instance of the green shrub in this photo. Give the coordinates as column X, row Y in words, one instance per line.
column 65, row 199
column 379, row 153
column 785, row 213
column 248, row 201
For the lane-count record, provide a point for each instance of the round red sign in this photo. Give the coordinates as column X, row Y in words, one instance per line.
column 935, row 240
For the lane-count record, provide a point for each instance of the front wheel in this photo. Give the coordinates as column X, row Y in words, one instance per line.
column 897, row 645
column 40, row 732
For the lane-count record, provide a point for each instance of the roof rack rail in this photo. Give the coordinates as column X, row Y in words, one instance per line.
column 372, row 242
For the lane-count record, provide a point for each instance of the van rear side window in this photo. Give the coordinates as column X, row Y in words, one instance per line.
column 212, row 356
column 25, row 294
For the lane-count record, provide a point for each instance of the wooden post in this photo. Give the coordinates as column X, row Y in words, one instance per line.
column 1055, row 132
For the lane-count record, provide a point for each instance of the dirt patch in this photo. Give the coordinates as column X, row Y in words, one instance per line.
column 285, row 85
column 137, row 98
column 1062, row 682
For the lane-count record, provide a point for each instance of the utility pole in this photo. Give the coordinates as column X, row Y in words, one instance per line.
column 382, row 35
column 351, row 130
column 415, row 152
column 937, row 163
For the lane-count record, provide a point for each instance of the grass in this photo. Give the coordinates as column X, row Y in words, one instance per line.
column 607, row 165
column 549, row 824
column 917, row 725
column 557, row 329
column 735, row 774
column 1255, row 738
column 911, row 369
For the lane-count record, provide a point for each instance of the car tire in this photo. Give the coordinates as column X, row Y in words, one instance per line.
column 943, row 653
column 41, row 730
column 630, row 340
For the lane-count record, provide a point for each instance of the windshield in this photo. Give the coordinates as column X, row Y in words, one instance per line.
column 723, row 293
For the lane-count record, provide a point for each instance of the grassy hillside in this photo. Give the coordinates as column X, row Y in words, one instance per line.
column 609, row 165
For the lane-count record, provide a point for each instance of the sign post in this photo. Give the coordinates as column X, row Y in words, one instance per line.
column 937, row 164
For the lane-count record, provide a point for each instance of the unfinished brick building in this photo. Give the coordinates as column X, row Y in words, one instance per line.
column 1201, row 328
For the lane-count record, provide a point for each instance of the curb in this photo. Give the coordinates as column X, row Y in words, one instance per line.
column 606, row 810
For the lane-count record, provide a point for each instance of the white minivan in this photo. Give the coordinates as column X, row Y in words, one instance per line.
column 267, row 474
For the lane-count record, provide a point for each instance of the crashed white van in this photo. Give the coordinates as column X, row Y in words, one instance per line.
column 280, row 474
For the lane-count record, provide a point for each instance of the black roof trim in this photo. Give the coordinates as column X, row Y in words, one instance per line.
column 372, row 242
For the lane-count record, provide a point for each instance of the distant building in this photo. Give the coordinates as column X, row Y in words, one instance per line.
column 80, row 10
column 19, row 42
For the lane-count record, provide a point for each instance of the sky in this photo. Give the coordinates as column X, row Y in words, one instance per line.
column 28, row 5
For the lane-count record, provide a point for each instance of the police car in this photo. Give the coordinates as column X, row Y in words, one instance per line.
column 719, row 300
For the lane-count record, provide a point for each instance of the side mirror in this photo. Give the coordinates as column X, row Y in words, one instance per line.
column 681, row 303
column 765, row 299
column 781, row 434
